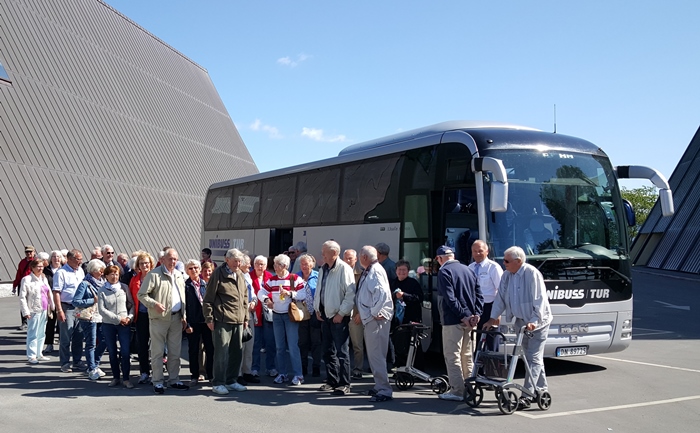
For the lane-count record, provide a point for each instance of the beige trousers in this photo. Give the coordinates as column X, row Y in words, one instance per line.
column 457, row 349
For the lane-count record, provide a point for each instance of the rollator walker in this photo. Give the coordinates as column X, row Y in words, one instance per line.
column 406, row 376
column 495, row 370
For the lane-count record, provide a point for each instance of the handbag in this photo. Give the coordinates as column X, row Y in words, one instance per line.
column 85, row 313
column 247, row 334
column 298, row 311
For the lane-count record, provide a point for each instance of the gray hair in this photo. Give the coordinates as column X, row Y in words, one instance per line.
column 370, row 252
column 132, row 262
column 56, row 252
column 105, row 247
column 261, row 259
column 233, row 253
column 123, row 256
column 300, row 247
column 516, row 253
column 95, row 265
column 308, row 257
column 282, row 260
column 44, row 256
column 246, row 259
column 351, row 251
column 192, row 262
column 333, row 246
column 382, row 248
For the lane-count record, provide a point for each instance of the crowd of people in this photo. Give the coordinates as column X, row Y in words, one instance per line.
column 233, row 313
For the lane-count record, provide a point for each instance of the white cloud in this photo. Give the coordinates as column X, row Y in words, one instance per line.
column 317, row 135
column 293, row 63
column 272, row 131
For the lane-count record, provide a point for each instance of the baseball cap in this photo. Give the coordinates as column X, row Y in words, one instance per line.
column 444, row 250
column 28, row 248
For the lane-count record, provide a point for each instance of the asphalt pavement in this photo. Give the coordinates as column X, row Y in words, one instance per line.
column 650, row 387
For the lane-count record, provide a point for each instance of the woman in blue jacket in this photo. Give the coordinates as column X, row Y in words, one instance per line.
column 85, row 302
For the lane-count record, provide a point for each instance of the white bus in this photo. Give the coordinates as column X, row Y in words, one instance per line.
column 452, row 183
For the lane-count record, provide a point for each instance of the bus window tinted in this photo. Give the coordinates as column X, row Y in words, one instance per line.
column 317, row 197
column 277, row 207
column 218, row 209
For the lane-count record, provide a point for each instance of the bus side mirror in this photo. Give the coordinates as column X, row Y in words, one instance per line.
column 499, row 184
column 629, row 213
column 666, row 201
column 659, row 181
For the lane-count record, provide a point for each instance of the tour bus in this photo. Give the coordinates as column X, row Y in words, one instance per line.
column 554, row 195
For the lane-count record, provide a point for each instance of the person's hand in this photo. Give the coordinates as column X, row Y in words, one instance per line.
column 251, row 306
column 95, row 298
column 210, row 325
column 61, row 316
column 380, row 317
column 124, row 322
column 474, row 320
column 184, row 324
column 337, row 318
column 189, row 330
column 491, row 323
column 531, row 326
column 269, row 303
column 28, row 316
column 356, row 319
column 160, row 307
column 318, row 316
column 399, row 294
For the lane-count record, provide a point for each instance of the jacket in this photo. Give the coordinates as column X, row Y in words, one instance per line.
column 373, row 297
column 256, row 289
column 459, row 295
column 115, row 305
column 30, row 292
column 23, row 269
column 339, row 292
column 157, row 287
column 194, row 306
column 226, row 299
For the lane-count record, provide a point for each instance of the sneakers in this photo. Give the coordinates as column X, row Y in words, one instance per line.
column 33, row 361
column 326, row 387
column 254, row 373
column 115, row 382
column 272, row 373
column 66, row 368
column 342, row 390
column 80, row 366
column 449, row 396
column 144, row 378
column 297, row 380
column 44, row 358
column 524, row 403
column 220, row 389
column 100, row 372
column 93, row 375
column 179, row 385
column 235, row 386
column 281, row 378
column 128, row 384
column 378, row 398
column 49, row 348
column 158, row 389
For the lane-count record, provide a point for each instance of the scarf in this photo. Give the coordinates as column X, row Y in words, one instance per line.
column 113, row 287
column 96, row 284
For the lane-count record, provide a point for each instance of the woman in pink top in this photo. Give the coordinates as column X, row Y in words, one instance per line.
column 35, row 301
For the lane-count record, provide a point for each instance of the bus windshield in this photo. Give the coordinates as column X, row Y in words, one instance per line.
column 559, row 201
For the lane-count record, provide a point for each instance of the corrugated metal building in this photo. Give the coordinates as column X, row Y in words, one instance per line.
column 107, row 134
column 673, row 243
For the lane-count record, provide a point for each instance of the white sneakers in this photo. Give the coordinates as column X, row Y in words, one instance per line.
column 220, row 389
column 298, row 380
column 281, row 378
column 93, row 375
column 100, row 372
column 235, row 386
column 449, row 396
column 33, row 361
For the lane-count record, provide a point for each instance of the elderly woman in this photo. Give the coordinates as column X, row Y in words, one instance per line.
column 116, row 307
column 85, row 301
column 144, row 264
column 408, row 300
column 35, row 300
column 310, row 330
column 264, row 339
column 279, row 291
column 49, row 270
column 197, row 330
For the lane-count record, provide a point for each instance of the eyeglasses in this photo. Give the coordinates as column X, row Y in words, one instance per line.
column 506, row 261
column 109, row 252
column 194, row 268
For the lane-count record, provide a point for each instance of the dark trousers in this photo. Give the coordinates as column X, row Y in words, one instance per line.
column 492, row 341
column 120, row 361
column 51, row 328
column 336, row 351
column 310, row 342
column 200, row 330
column 143, row 335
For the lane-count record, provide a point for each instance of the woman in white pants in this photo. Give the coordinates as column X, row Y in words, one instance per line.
column 35, row 302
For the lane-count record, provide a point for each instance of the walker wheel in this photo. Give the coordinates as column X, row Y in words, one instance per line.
column 404, row 381
column 439, row 385
column 507, row 402
column 544, row 400
column 473, row 394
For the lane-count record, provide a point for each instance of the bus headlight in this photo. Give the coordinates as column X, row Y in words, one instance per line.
column 626, row 335
column 627, row 324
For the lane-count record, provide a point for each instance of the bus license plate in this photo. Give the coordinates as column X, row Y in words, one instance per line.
column 572, row 351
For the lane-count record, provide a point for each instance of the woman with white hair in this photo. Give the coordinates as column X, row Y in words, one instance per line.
column 279, row 291
column 264, row 339
column 85, row 302
column 49, row 270
column 35, row 300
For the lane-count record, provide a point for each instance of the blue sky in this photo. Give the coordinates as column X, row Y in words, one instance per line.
column 304, row 79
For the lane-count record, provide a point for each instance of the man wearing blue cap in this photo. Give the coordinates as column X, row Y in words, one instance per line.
column 460, row 305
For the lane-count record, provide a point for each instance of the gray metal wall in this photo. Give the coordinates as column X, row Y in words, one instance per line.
column 107, row 134
column 673, row 243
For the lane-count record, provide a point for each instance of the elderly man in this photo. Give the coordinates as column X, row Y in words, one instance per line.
column 488, row 274
column 163, row 293
column 23, row 269
column 375, row 307
column 523, row 296
column 389, row 266
column 333, row 306
column 109, row 257
column 299, row 250
column 225, row 308
column 65, row 283
column 356, row 329
column 460, row 303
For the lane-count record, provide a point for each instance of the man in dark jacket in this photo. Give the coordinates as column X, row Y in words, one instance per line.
column 460, row 304
column 225, row 309
column 195, row 288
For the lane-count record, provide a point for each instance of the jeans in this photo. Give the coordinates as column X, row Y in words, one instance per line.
column 228, row 353
column 93, row 350
column 71, row 337
column 112, row 334
column 287, row 338
column 336, row 351
column 36, row 333
column 310, row 342
column 264, row 337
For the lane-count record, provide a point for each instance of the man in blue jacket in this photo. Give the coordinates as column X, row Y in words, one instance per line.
column 460, row 305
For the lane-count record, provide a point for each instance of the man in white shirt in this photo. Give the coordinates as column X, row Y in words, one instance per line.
column 65, row 283
column 488, row 274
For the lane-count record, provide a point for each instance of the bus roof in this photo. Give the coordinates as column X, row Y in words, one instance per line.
column 404, row 141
